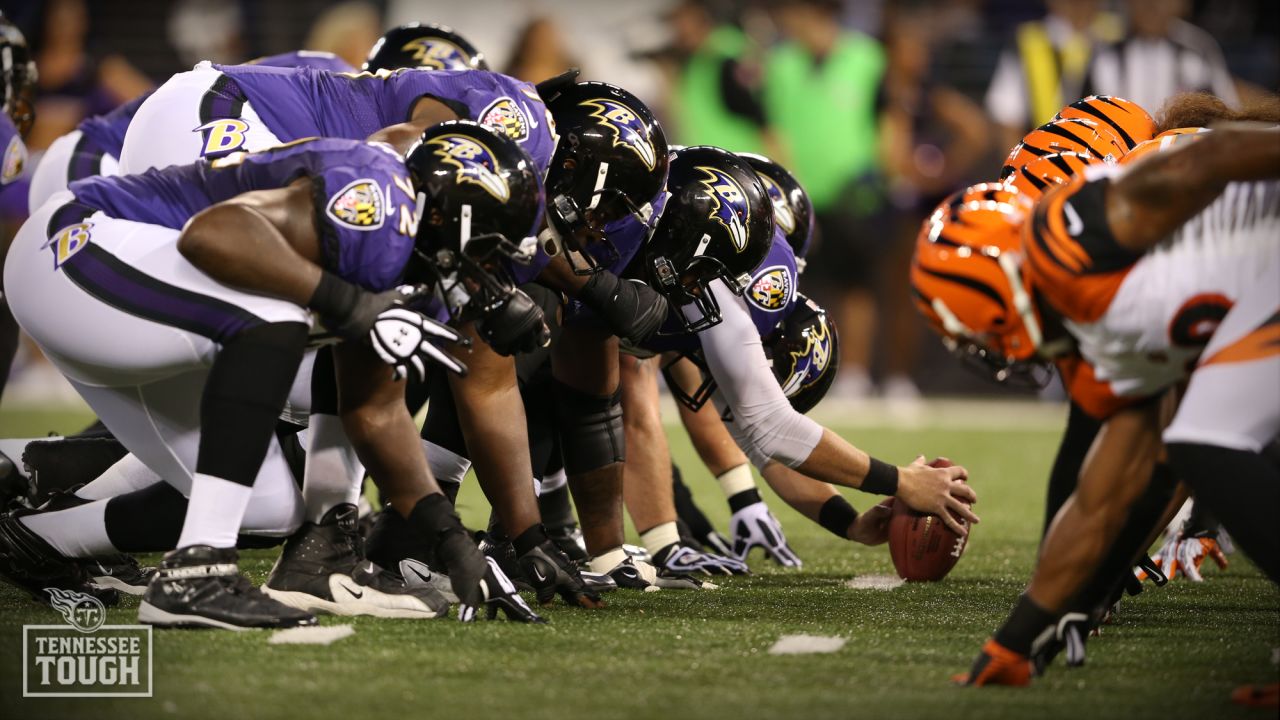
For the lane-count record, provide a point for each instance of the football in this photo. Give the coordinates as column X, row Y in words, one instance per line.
column 922, row 546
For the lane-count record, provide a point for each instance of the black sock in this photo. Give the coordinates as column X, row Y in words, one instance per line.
column 556, row 508
column 450, row 490
column 1024, row 625
column 1200, row 523
column 688, row 511
column 146, row 520
column 529, row 539
column 1242, row 489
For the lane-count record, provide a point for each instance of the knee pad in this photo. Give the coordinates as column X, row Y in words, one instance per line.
column 591, row 434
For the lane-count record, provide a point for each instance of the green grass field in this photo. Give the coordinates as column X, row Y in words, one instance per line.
column 1174, row 653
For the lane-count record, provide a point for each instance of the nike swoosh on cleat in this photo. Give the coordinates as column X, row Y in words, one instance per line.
column 353, row 593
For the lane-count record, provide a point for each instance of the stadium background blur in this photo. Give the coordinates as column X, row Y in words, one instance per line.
column 907, row 101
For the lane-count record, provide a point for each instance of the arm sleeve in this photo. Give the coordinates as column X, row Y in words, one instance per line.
column 766, row 422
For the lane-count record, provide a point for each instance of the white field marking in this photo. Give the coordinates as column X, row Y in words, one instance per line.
column 874, row 582
column 806, row 644
column 320, row 635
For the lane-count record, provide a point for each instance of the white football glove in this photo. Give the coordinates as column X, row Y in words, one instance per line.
column 754, row 526
column 405, row 339
column 680, row 559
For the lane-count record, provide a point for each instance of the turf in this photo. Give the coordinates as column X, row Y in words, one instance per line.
column 1174, row 653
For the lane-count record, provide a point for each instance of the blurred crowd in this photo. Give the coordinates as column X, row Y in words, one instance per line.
column 880, row 107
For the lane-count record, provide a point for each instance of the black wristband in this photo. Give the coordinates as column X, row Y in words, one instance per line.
column 881, row 479
column 743, row 499
column 529, row 539
column 836, row 515
column 334, row 298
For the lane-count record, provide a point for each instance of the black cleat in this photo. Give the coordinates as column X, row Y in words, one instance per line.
column 201, row 586
column 628, row 576
column 322, row 569
column 569, row 539
column 118, row 572
column 504, row 553
column 29, row 562
column 62, row 463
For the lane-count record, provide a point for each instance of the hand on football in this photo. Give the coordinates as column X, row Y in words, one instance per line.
column 938, row 491
column 871, row 527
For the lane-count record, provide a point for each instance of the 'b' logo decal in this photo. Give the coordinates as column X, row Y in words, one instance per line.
column 222, row 136
column 69, row 241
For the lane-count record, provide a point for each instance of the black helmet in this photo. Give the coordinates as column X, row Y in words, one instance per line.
column 611, row 161
column 479, row 203
column 18, row 72
column 717, row 223
column 431, row 47
column 792, row 211
column 805, row 353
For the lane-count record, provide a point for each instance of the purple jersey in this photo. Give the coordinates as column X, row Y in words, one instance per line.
column 305, row 58
column 14, row 158
column 364, row 200
column 770, row 296
column 302, row 102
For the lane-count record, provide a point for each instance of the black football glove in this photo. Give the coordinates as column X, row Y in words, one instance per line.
column 479, row 582
column 632, row 309
column 550, row 571
column 514, row 325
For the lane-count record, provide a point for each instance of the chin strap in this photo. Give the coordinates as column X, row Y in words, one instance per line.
column 1021, row 298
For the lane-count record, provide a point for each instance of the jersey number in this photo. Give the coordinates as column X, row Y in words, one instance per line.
column 1197, row 319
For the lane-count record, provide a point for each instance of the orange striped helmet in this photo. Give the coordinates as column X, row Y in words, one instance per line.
column 1129, row 122
column 1064, row 135
column 967, row 281
column 976, row 216
column 1036, row 177
column 1162, row 142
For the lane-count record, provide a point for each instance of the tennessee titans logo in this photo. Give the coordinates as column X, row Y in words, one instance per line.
column 436, row 54
column 808, row 363
column 82, row 611
column 359, row 205
column 783, row 215
column 504, row 116
column 772, row 289
column 731, row 209
column 627, row 128
column 475, row 163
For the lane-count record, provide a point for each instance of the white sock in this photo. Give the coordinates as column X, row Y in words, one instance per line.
column 128, row 474
column 333, row 472
column 608, row 560
column 660, row 536
column 214, row 511
column 79, row 532
column 555, row 481
column 735, row 480
column 446, row 465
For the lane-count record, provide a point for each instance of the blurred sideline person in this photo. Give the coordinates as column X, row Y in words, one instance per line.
column 1048, row 64
column 540, row 52
column 347, row 29
column 820, row 93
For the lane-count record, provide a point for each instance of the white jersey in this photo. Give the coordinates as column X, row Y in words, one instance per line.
column 1142, row 323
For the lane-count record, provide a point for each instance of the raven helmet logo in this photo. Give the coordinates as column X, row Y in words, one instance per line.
column 628, row 128
column 772, row 289
column 436, row 54
column 506, row 117
column 808, row 363
column 15, row 159
column 730, row 205
column 783, row 215
column 359, row 205
column 82, row 611
column 475, row 163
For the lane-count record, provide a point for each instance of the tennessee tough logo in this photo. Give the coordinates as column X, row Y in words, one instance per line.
column 627, row 127
column 730, row 204
column 474, row 162
column 437, row 54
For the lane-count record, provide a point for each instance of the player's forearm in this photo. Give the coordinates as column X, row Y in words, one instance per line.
column 1162, row 192
column 238, row 246
column 834, row 460
column 803, row 493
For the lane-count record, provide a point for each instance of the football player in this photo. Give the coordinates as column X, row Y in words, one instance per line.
column 93, row 148
column 217, row 316
column 428, row 46
column 1150, row 277
column 17, row 80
